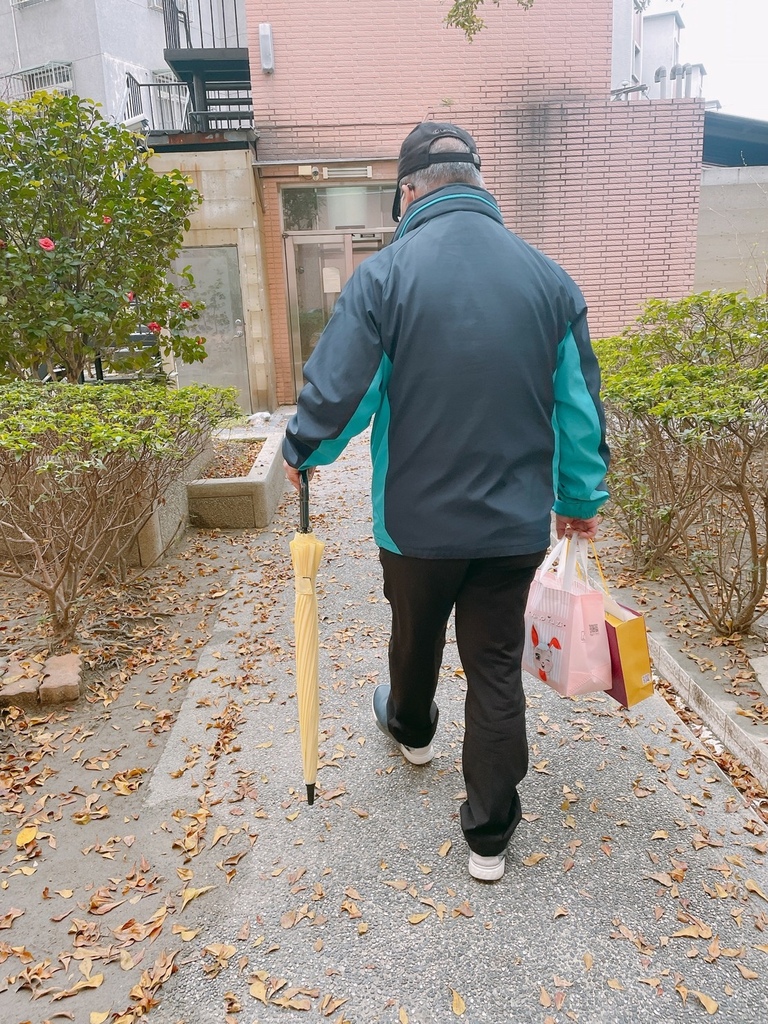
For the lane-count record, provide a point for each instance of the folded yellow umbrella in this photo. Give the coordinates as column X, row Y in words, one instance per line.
column 306, row 552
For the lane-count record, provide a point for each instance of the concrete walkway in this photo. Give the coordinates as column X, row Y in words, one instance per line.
column 636, row 886
column 161, row 825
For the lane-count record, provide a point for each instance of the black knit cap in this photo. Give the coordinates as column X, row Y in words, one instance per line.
column 415, row 152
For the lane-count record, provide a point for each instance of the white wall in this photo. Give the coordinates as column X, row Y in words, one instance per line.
column 101, row 38
column 732, row 247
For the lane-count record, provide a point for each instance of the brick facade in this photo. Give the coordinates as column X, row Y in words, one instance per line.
column 608, row 189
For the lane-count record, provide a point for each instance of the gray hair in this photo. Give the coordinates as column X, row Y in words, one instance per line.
column 437, row 175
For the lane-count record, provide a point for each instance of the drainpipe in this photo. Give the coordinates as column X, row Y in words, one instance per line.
column 661, row 78
column 16, row 38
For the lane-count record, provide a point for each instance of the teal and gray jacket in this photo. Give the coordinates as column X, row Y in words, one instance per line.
column 470, row 351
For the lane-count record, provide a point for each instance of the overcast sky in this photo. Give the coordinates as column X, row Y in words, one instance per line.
column 730, row 38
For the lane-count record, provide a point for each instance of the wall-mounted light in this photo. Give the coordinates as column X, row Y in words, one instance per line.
column 266, row 50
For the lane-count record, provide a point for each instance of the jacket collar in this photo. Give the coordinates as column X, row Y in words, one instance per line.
column 448, row 199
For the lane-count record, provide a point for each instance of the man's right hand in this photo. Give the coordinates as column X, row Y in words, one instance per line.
column 292, row 474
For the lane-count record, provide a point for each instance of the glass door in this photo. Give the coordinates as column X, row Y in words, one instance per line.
column 318, row 267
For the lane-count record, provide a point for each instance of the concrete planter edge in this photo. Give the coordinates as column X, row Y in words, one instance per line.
column 240, row 503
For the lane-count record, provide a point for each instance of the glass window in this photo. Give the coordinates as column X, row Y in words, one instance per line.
column 340, row 208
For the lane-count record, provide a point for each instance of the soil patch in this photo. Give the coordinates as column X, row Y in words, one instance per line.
column 232, row 458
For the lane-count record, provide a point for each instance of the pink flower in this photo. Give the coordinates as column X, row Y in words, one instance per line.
column 185, row 305
column 106, row 220
column 154, row 326
column 131, row 296
column 47, row 244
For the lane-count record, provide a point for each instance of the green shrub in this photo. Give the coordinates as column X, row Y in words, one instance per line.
column 686, row 394
column 81, row 471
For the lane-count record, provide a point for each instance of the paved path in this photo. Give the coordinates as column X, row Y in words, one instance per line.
column 631, row 886
column 636, row 887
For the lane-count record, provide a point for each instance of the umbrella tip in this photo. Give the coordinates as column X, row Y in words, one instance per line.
column 310, row 793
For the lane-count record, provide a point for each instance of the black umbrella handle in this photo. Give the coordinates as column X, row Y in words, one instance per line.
column 303, row 502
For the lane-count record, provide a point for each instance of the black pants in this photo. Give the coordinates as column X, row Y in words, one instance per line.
column 489, row 595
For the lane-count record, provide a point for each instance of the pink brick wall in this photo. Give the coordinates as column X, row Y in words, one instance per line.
column 363, row 72
column 608, row 189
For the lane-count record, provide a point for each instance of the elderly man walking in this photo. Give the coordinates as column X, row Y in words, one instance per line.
column 470, row 350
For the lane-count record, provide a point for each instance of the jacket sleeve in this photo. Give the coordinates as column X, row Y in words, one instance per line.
column 346, row 378
column 581, row 453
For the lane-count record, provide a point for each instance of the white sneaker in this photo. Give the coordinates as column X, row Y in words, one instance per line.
column 416, row 755
column 486, row 869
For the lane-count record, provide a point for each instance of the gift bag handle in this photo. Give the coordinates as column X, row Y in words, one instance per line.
column 572, row 557
column 555, row 555
column 576, row 562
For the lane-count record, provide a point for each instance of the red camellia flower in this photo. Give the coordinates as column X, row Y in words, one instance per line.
column 154, row 326
column 2, row 244
column 131, row 296
column 46, row 243
column 185, row 305
column 106, row 220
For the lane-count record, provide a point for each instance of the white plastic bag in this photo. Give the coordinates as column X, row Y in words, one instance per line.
column 566, row 644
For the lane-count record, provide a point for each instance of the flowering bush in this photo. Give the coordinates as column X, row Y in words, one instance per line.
column 88, row 234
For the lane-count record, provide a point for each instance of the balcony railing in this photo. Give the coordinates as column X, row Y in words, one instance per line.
column 204, row 24
column 167, row 107
column 157, row 106
column 55, row 76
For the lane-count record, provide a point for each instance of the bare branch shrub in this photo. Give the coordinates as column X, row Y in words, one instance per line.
column 81, row 471
column 686, row 392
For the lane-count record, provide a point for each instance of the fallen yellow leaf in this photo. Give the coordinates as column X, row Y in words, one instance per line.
column 751, row 886
column 190, row 894
column 706, row 1001
column 746, row 973
column 457, row 1003
column 443, row 851
column 534, row 859
column 403, row 1016
column 93, row 982
column 186, row 934
column 220, row 832
column 98, row 1017
column 418, row 918
column 588, row 961
column 26, row 836
column 614, row 983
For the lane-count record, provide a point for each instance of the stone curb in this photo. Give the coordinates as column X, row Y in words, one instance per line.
column 718, row 719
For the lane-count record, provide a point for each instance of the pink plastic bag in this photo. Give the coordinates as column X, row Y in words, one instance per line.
column 566, row 644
